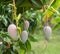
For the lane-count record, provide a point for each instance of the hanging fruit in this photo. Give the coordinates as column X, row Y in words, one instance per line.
column 12, row 31
column 24, row 36
column 26, row 25
column 47, row 32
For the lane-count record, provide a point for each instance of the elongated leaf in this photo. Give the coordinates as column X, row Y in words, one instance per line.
column 21, row 51
column 19, row 2
column 45, row 1
column 36, row 3
column 28, row 45
column 22, row 46
column 56, row 26
column 5, row 35
column 0, row 50
column 24, row 4
column 48, row 12
column 33, row 38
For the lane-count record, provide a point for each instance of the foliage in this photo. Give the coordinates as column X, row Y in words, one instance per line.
column 36, row 12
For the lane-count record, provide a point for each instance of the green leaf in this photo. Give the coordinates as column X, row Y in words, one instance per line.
column 57, row 19
column 48, row 12
column 56, row 26
column 4, row 20
column 36, row 3
column 5, row 35
column 28, row 45
column 45, row 1
column 22, row 51
column 22, row 46
column 0, row 49
column 19, row 16
column 33, row 38
column 24, row 4
column 19, row 2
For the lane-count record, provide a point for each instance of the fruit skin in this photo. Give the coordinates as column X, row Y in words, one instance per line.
column 24, row 36
column 47, row 32
column 26, row 24
column 12, row 31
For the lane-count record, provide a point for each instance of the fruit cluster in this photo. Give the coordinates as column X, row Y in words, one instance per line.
column 12, row 31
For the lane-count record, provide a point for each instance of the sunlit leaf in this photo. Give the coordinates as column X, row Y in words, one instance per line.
column 48, row 12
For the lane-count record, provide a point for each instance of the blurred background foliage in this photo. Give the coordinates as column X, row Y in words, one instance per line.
column 37, row 12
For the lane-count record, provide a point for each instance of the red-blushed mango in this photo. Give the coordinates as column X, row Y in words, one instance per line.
column 47, row 32
column 24, row 36
column 26, row 24
column 12, row 31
